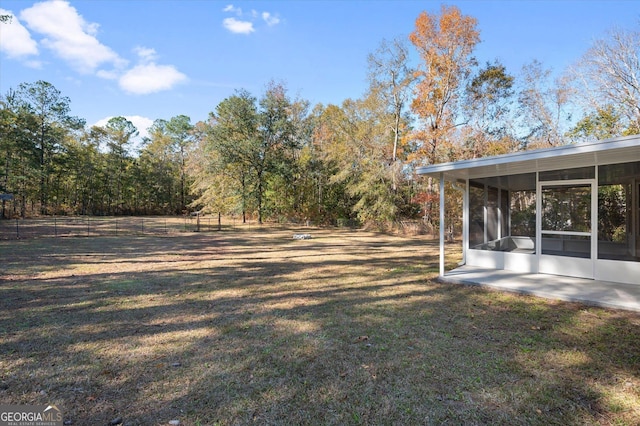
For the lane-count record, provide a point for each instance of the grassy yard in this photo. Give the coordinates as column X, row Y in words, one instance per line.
column 254, row 327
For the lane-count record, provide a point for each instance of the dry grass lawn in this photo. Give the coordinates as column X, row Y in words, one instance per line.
column 254, row 327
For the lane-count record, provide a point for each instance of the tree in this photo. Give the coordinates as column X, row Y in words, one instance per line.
column 256, row 142
column 298, row 164
column 610, row 75
column 544, row 107
column 390, row 78
column 49, row 121
column 17, row 158
column 89, row 171
column 213, row 184
column 233, row 143
column 160, row 171
column 327, row 197
column 119, row 132
column 275, row 159
column 165, row 157
column 445, row 43
column 76, row 176
column 488, row 109
column 604, row 123
column 179, row 129
column 357, row 148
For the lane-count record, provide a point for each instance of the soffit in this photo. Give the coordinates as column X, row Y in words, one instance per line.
column 619, row 150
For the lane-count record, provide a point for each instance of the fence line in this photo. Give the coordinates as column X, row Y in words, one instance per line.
column 94, row 226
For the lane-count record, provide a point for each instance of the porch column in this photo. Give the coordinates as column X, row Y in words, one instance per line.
column 465, row 221
column 442, row 224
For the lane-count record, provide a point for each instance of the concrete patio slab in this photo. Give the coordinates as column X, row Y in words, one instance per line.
column 591, row 292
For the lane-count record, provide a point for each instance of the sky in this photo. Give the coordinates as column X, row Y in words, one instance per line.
column 156, row 59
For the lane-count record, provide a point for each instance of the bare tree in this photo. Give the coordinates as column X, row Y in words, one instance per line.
column 609, row 73
column 544, row 106
column 390, row 77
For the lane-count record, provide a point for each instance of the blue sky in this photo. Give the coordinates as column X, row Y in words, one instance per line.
column 149, row 59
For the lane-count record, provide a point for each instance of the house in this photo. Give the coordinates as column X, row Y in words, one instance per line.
column 572, row 210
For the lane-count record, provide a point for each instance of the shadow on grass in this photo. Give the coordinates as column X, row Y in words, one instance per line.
column 345, row 328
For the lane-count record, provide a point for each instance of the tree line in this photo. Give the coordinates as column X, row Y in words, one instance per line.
column 280, row 158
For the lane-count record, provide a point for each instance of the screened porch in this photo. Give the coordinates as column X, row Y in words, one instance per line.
column 572, row 210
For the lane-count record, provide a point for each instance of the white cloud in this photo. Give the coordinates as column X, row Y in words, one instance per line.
column 270, row 19
column 150, row 78
column 231, row 8
column 146, row 54
column 238, row 27
column 15, row 39
column 69, row 36
column 74, row 40
column 107, row 75
column 246, row 26
column 33, row 64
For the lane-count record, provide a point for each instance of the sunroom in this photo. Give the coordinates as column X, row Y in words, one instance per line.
column 572, row 210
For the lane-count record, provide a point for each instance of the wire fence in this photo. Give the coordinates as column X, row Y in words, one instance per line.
column 94, row 226
column 100, row 226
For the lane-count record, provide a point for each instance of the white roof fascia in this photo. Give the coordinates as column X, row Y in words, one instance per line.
column 623, row 149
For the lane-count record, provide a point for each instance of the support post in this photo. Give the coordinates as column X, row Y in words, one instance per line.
column 465, row 222
column 442, row 224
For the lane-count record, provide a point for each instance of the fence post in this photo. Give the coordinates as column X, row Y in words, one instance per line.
column 55, row 227
column 142, row 225
column 17, row 229
column 88, row 230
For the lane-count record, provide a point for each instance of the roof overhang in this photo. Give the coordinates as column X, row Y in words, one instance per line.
column 610, row 151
